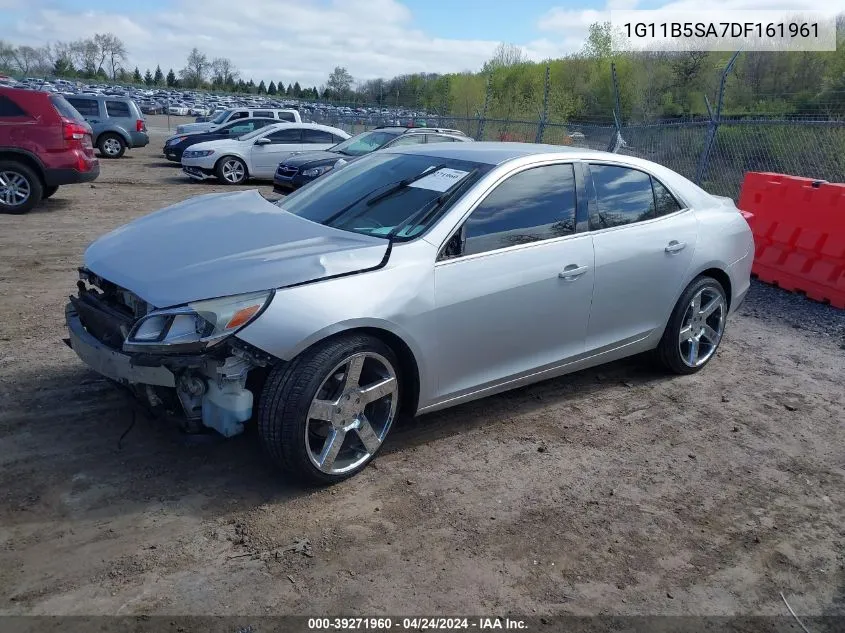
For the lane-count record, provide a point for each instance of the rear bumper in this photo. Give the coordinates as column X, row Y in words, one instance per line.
column 139, row 139
column 58, row 177
column 109, row 362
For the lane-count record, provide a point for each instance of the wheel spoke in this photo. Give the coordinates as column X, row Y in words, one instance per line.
column 711, row 335
column 4, row 180
column 685, row 334
column 321, row 410
column 378, row 390
column 696, row 303
column 711, row 307
column 353, row 373
column 368, row 436
column 692, row 357
column 331, row 448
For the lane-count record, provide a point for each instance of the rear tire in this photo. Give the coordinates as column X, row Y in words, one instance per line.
column 316, row 419
column 20, row 188
column 231, row 170
column 49, row 191
column 111, row 146
column 695, row 327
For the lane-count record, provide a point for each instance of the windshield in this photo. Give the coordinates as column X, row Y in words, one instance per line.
column 385, row 191
column 221, row 117
column 363, row 143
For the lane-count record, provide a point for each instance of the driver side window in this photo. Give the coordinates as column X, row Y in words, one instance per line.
column 531, row 206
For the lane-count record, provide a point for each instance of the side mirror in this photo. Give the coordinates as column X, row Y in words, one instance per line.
column 263, row 141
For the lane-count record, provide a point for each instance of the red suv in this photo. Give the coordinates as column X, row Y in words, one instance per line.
column 44, row 143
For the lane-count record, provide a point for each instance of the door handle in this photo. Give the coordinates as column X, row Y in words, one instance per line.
column 572, row 272
column 675, row 246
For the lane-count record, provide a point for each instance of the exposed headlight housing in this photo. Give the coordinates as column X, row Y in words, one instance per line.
column 316, row 171
column 195, row 326
column 176, row 139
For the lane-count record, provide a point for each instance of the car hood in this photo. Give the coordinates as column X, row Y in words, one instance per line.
column 223, row 244
column 313, row 159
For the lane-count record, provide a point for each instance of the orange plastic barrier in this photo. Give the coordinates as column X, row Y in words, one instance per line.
column 799, row 233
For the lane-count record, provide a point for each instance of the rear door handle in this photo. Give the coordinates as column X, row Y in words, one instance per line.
column 675, row 246
column 572, row 272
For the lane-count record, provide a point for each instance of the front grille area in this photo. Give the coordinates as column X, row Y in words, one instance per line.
column 286, row 172
column 106, row 310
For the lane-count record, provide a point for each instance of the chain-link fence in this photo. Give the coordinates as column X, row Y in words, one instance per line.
column 712, row 149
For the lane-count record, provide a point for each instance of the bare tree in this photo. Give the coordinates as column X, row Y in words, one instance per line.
column 29, row 59
column 223, row 71
column 505, row 55
column 196, row 70
column 84, row 54
column 7, row 56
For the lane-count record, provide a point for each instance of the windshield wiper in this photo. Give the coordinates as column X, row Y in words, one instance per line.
column 425, row 213
column 402, row 184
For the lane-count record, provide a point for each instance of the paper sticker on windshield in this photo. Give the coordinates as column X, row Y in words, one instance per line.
column 440, row 180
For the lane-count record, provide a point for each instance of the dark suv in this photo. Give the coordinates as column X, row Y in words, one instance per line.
column 301, row 168
column 44, row 143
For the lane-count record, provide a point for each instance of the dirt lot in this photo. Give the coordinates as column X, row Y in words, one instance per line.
column 612, row 491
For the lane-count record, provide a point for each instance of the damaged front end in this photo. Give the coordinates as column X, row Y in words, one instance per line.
column 183, row 362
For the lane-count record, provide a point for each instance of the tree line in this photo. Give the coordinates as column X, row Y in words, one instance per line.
column 655, row 85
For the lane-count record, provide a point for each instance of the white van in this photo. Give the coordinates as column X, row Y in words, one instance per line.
column 284, row 116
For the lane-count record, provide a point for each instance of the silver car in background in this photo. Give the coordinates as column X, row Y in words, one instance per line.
column 414, row 279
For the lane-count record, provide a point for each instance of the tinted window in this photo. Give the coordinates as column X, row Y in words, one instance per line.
column 536, row 204
column 622, row 196
column 666, row 202
column 438, row 138
column 10, row 108
column 85, row 107
column 409, row 139
column 239, row 115
column 119, row 109
column 266, row 113
column 317, row 136
column 287, row 116
column 65, row 109
column 285, row 136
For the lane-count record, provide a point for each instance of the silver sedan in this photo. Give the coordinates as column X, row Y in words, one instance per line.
column 412, row 280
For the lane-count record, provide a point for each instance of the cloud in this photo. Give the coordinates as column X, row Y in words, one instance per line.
column 287, row 40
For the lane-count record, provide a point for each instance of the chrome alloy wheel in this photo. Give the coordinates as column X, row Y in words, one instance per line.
column 111, row 146
column 351, row 413
column 702, row 326
column 14, row 188
column 233, row 171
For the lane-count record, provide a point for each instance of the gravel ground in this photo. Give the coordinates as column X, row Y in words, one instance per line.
column 617, row 490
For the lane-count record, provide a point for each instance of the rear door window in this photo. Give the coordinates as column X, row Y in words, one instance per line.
column 118, row 109
column 287, row 116
column 317, row 136
column 9, row 108
column 85, row 107
column 264, row 113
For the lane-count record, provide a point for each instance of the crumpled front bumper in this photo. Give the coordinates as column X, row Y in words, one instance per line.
column 109, row 362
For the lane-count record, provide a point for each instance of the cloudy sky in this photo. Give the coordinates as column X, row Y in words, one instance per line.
column 302, row 40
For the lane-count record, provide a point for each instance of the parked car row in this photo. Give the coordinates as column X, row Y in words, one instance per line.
column 242, row 144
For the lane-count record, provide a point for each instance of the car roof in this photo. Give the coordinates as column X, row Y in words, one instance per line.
column 281, row 125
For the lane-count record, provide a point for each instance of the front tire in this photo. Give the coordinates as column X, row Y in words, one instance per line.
column 111, row 146
column 695, row 328
column 20, row 188
column 325, row 415
column 231, row 171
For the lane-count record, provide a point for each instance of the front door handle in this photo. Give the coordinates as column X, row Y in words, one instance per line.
column 675, row 246
column 572, row 272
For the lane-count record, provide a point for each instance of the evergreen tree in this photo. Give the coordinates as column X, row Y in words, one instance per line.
column 171, row 79
column 148, row 78
column 158, row 77
column 262, row 89
column 271, row 89
column 136, row 77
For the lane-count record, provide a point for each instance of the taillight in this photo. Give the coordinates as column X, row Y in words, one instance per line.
column 73, row 131
column 140, row 126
